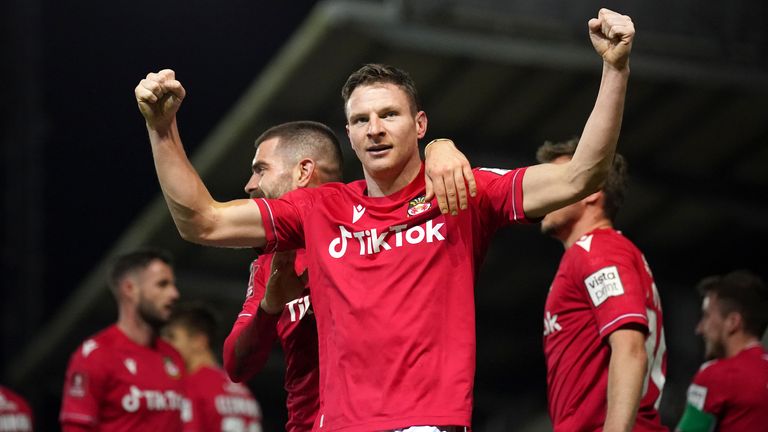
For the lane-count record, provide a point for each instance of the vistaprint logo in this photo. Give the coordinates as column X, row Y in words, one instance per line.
column 156, row 400
column 371, row 241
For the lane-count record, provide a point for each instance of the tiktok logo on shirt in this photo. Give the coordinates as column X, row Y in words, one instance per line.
column 550, row 324
column 303, row 306
column 156, row 400
column 371, row 241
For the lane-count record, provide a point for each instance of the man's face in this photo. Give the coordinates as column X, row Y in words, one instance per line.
column 157, row 293
column 180, row 338
column 559, row 223
column 272, row 176
column 382, row 129
column 712, row 327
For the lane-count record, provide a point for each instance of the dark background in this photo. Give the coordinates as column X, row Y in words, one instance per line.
column 77, row 173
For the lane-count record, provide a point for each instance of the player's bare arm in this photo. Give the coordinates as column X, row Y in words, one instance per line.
column 626, row 373
column 547, row 187
column 284, row 285
column 198, row 217
column 448, row 176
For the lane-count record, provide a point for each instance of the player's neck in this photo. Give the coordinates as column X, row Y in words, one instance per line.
column 739, row 342
column 199, row 361
column 393, row 180
column 584, row 226
column 136, row 330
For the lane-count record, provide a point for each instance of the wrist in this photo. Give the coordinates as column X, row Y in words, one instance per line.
column 268, row 308
column 435, row 141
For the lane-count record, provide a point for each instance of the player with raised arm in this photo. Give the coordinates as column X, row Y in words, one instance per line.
column 277, row 306
column 603, row 335
column 392, row 274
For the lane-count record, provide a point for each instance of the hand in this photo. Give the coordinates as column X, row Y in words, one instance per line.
column 612, row 34
column 446, row 170
column 284, row 285
column 159, row 96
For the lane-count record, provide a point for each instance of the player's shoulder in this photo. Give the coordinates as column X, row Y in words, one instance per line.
column 710, row 372
column 97, row 346
column 488, row 174
column 606, row 242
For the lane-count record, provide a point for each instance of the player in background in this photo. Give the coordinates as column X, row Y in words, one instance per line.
column 603, row 335
column 392, row 274
column 126, row 378
column 277, row 305
column 216, row 404
column 730, row 391
column 15, row 413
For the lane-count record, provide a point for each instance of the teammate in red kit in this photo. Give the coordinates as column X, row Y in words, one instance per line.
column 15, row 413
column 603, row 335
column 392, row 275
column 126, row 378
column 730, row 391
column 277, row 306
column 215, row 402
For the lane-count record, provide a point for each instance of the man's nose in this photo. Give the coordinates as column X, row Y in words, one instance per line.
column 375, row 126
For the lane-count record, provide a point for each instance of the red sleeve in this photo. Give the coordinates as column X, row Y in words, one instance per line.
column 254, row 331
column 710, row 388
column 501, row 195
column 283, row 219
column 84, row 386
column 612, row 284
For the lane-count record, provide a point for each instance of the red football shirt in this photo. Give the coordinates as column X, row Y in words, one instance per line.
column 603, row 283
column 392, row 290
column 115, row 384
column 297, row 331
column 734, row 390
column 15, row 413
column 218, row 404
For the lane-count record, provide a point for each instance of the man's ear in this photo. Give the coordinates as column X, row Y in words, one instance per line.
column 304, row 172
column 733, row 322
column 594, row 198
column 128, row 289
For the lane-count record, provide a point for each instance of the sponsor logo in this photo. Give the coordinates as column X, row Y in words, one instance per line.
column 15, row 422
column 77, row 385
column 237, row 406
column 697, row 395
column 357, row 212
column 170, row 368
column 155, row 400
column 130, row 364
column 585, row 242
column 88, row 347
column 550, row 324
column 299, row 307
column 418, row 205
column 603, row 284
column 372, row 241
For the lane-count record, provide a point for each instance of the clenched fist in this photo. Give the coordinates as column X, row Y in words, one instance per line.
column 612, row 34
column 159, row 96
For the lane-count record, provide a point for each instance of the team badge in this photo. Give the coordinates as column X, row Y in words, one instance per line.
column 170, row 368
column 418, row 205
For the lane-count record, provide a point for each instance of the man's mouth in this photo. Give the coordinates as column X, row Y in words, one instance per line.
column 379, row 148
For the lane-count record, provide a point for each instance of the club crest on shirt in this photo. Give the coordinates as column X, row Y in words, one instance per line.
column 170, row 368
column 418, row 205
